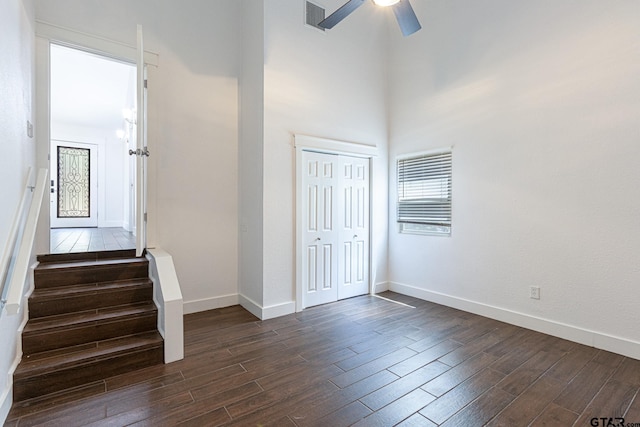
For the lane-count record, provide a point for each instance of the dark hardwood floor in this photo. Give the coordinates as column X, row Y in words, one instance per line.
column 365, row 362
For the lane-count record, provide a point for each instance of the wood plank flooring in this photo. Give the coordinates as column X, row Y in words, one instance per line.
column 364, row 362
column 74, row 240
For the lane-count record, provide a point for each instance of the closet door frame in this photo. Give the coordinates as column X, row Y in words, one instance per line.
column 328, row 146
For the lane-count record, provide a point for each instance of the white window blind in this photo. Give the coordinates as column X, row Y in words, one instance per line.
column 424, row 192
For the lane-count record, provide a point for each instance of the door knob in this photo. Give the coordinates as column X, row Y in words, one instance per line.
column 317, row 239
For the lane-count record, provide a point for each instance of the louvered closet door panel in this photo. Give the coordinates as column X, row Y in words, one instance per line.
column 353, row 275
column 320, row 260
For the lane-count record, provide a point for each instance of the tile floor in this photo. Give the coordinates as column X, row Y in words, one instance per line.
column 73, row 240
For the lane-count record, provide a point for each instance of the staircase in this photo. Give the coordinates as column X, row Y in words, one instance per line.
column 91, row 316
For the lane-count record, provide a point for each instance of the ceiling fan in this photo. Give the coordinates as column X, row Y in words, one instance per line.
column 407, row 19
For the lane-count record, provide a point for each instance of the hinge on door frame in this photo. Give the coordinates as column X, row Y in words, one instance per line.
column 145, row 83
column 145, row 217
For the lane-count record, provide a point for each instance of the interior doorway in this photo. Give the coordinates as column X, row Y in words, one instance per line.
column 92, row 129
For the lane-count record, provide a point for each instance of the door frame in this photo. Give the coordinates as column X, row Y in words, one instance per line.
column 47, row 34
column 327, row 146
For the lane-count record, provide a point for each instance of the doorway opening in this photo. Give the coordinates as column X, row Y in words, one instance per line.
column 92, row 129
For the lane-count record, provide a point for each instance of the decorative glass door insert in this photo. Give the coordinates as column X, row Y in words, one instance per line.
column 74, row 189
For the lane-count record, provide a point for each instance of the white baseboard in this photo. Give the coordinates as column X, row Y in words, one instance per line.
column 251, row 306
column 277, row 310
column 6, row 394
column 380, row 287
column 269, row 312
column 205, row 304
column 595, row 339
column 6, row 400
column 111, row 224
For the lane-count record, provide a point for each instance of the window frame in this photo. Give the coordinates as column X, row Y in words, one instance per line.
column 426, row 227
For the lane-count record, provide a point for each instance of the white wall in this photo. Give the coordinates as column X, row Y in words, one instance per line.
column 111, row 168
column 193, row 134
column 251, row 149
column 540, row 101
column 17, row 151
column 329, row 85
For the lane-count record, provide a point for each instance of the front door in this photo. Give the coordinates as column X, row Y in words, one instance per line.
column 74, row 184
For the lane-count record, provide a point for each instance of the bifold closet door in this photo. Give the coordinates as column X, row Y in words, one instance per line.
column 320, row 258
column 335, row 227
column 353, row 222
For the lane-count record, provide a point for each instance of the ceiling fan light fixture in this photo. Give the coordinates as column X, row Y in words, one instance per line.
column 385, row 3
column 406, row 17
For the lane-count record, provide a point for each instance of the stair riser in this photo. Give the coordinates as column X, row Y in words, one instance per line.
column 77, row 276
column 53, row 306
column 74, row 376
column 58, row 338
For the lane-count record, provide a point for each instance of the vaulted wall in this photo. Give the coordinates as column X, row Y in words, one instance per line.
column 303, row 81
column 540, row 102
column 325, row 84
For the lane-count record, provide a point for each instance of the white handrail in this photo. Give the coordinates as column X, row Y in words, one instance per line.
column 21, row 267
column 9, row 247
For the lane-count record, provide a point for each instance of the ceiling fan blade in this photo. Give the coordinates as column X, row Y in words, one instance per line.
column 337, row 16
column 406, row 17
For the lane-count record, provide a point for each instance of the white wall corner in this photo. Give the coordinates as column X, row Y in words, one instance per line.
column 590, row 338
column 251, row 306
column 269, row 312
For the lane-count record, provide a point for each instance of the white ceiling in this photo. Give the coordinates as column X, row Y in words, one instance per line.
column 89, row 90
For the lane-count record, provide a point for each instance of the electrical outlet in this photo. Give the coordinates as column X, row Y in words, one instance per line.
column 534, row 292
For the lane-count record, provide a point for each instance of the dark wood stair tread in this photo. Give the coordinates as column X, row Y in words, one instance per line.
column 87, row 256
column 88, row 288
column 58, row 274
column 54, row 266
column 57, row 360
column 91, row 316
column 73, row 320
